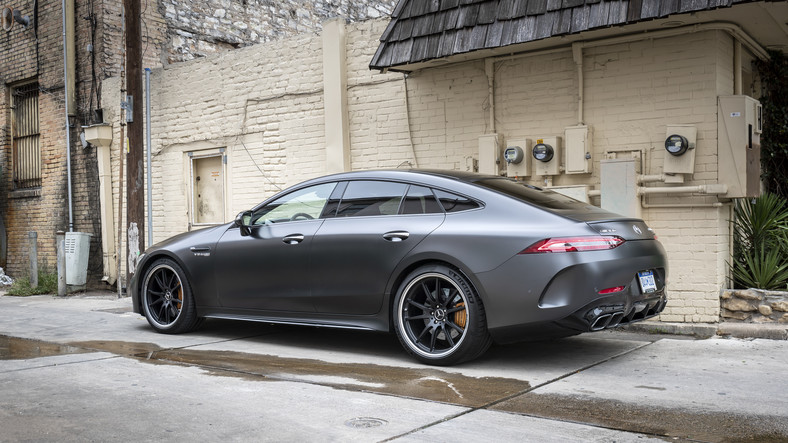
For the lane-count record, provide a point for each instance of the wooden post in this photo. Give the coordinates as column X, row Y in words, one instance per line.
column 135, row 186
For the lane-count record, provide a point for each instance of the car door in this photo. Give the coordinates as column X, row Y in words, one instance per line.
column 268, row 269
column 370, row 231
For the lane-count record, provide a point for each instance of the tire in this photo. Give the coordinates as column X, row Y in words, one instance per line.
column 167, row 299
column 438, row 317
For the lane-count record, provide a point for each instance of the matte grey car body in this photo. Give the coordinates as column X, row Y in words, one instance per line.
column 451, row 261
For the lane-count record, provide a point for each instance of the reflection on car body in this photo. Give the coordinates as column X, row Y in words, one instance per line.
column 450, row 261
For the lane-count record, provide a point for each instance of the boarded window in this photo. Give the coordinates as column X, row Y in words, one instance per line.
column 208, row 190
column 26, row 151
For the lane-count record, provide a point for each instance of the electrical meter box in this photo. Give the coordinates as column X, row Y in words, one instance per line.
column 739, row 125
column 489, row 153
column 577, row 150
column 547, row 156
column 77, row 249
column 680, row 149
column 517, row 155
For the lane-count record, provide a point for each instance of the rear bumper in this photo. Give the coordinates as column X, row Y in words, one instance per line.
column 548, row 295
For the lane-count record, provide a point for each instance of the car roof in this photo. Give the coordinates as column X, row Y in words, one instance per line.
column 406, row 174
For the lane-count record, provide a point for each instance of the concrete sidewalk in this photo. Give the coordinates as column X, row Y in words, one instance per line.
column 86, row 368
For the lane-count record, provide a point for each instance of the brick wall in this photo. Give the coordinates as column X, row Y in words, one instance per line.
column 22, row 59
column 263, row 104
column 172, row 31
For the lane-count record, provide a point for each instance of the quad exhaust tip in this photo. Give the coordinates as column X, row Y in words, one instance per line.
column 607, row 321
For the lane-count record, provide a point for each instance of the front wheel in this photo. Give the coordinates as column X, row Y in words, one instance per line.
column 439, row 318
column 167, row 298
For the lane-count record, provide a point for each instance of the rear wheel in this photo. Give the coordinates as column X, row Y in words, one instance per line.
column 439, row 318
column 167, row 298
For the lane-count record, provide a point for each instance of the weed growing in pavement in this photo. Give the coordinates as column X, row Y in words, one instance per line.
column 47, row 284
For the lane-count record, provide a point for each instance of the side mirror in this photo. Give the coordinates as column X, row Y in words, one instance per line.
column 244, row 221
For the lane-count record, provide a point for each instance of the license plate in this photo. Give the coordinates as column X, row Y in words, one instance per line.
column 647, row 283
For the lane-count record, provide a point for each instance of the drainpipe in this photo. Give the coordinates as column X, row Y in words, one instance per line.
column 68, row 123
column 148, row 146
column 577, row 55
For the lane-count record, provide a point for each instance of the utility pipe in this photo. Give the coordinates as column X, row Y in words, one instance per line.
column 148, row 149
column 730, row 28
column 489, row 70
column 736, row 67
column 680, row 205
column 714, row 189
column 68, row 124
column 651, row 178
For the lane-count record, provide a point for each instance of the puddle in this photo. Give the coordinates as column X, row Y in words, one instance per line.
column 424, row 383
column 13, row 348
column 679, row 424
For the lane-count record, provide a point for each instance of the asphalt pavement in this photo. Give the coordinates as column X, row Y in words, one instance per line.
column 85, row 368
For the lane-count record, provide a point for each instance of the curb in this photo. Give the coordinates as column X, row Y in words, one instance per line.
column 708, row 330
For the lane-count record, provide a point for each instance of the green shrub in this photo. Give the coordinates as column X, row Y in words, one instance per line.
column 47, row 284
column 760, row 243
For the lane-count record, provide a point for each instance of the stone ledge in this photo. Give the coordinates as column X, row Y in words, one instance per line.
column 749, row 330
column 707, row 330
column 701, row 330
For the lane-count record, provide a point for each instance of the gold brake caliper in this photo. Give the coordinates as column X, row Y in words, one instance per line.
column 461, row 317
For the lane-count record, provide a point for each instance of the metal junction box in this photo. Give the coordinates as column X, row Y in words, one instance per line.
column 489, row 153
column 739, row 125
column 577, row 150
column 77, row 249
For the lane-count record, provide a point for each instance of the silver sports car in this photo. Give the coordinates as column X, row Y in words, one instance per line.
column 450, row 261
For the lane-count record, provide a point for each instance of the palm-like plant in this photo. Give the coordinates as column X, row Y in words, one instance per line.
column 760, row 257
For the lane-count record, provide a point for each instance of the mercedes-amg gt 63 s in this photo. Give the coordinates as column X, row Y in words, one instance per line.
column 450, row 261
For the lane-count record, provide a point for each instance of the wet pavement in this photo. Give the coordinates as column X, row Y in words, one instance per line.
column 87, row 368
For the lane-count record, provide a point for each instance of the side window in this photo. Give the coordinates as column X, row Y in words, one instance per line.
column 420, row 200
column 455, row 203
column 366, row 198
column 304, row 204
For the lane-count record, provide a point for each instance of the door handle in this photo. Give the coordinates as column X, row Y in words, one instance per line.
column 293, row 239
column 396, row 236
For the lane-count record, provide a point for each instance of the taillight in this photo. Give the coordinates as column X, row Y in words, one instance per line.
column 612, row 290
column 574, row 244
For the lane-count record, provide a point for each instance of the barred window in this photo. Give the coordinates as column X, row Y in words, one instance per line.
column 26, row 155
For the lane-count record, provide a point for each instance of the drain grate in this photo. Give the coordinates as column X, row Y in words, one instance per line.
column 365, row 422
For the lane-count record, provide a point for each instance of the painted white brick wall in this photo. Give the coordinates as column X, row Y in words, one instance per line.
column 264, row 105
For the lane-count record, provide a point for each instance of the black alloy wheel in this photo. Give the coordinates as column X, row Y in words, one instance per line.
column 167, row 300
column 439, row 319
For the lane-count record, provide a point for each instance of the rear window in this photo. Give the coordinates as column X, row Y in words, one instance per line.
column 420, row 200
column 542, row 198
column 454, row 203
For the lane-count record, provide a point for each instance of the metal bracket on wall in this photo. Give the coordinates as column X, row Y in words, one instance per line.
column 128, row 106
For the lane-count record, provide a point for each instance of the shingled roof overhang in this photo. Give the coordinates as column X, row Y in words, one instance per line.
column 425, row 33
